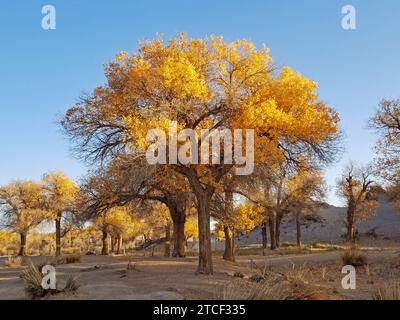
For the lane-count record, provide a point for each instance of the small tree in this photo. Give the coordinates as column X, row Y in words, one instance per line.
column 191, row 228
column 22, row 206
column 116, row 221
column 305, row 193
column 60, row 194
column 357, row 188
column 386, row 123
column 242, row 220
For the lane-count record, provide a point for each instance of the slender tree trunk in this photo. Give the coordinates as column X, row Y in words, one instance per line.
column 119, row 240
column 71, row 240
column 167, row 251
column 205, row 251
column 104, row 249
column 298, row 228
column 112, row 241
column 229, row 252
column 264, row 237
column 351, row 234
column 178, row 220
column 272, row 229
column 278, row 230
column 22, row 244
column 58, row 234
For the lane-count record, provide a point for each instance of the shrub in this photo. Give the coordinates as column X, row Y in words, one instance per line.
column 71, row 285
column 46, row 262
column 32, row 278
column 354, row 258
column 33, row 282
column 13, row 262
column 238, row 274
column 67, row 259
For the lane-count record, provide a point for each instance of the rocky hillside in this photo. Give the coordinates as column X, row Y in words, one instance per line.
column 328, row 226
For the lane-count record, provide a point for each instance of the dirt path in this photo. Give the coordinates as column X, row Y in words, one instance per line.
column 168, row 278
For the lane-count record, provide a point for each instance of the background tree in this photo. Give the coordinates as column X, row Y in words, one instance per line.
column 357, row 188
column 386, row 123
column 114, row 222
column 306, row 192
column 202, row 84
column 60, row 194
column 156, row 222
column 22, row 208
column 128, row 180
column 243, row 219
column 191, row 228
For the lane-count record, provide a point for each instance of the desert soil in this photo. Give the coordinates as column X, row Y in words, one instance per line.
column 157, row 277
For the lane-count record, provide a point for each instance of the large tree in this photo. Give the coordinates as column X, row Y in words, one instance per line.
column 202, row 84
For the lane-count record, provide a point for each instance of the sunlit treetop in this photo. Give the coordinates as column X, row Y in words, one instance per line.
column 202, row 83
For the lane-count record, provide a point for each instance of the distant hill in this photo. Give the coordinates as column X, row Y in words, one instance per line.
column 328, row 226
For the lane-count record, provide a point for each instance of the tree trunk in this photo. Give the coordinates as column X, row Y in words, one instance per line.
column 58, row 234
column 298, row 228
column 351, row 230
column 272, row 229
column 205, row 251
column 104, row 249
column 278, row 221
column 71, row 240
column 178, row 220
column 229, row 252
column 264, row 237
column 23, row 244
column 119, row 240
column 167, row 251
column 112, row 241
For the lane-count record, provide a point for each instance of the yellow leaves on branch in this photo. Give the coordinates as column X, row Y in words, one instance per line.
column 60, row 192
column 203, row 83
column 246, row 217
column 288, row 107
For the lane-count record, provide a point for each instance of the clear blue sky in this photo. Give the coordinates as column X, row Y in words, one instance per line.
column 43, row 72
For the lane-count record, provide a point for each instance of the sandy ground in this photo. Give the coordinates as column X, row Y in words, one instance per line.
column 169, row 278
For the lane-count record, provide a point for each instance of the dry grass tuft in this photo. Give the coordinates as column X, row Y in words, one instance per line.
column 13, row 261
column 33, row 282
column 71, row 285
column 290, row 285
column 241, row 289
column 388, row 292
column 67, row 259
column 238, row 274
column 131, row 265
column 32, row 278
column 354, row 258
